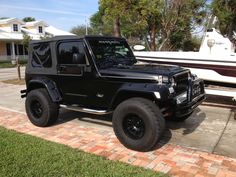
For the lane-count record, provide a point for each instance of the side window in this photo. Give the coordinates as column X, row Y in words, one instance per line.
column 42, row 55
column 66, row 50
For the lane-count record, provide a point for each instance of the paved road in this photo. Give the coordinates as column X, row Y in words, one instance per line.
column 10, row 73
column 210, row 129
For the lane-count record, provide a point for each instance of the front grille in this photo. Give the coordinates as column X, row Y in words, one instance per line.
column 181, row 80
column 197, row 89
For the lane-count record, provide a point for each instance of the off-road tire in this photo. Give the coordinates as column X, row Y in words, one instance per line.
column 150, row 116
column 40, row 109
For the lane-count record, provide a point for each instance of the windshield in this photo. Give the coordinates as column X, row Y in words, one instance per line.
column 111, row 53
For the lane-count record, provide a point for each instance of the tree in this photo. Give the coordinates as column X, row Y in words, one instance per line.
column 168, row 24
column 25, row 43
column 2, row 18
column 149, row 14
column 98, row 25
column 112, row 21
column 111, row 13
column 28, row 19
column 114, row 11
column 191, row 44
column 225, row 10
column 179, row 18
column 26, row 40
column 80, row 30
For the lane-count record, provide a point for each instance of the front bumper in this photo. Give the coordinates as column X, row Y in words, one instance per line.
column 195, row 96
column 187, row 108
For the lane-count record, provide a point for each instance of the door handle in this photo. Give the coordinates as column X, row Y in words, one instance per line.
column 62, row 68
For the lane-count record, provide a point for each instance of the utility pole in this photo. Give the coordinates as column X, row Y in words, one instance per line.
column 86, row 25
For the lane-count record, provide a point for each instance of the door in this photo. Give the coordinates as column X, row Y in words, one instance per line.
column 72, row 79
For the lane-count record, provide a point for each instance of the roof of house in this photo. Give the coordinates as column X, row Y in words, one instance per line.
column 56, row 32
column 49, row 30
column 35, row 23
column 9, row 20
column 10, row 36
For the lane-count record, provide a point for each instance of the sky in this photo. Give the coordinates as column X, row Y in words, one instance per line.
column 63, row 14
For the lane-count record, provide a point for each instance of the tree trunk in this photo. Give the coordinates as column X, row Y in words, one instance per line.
column 162, row 45
column 117, row 32
column 147, row 43
column 18, row 68
column 153, row 37
column 231, row 35
column 165, row 41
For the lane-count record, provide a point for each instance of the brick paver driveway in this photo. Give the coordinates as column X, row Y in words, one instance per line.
column 204, row 131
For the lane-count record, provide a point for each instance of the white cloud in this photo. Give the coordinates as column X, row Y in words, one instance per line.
column 43, row 10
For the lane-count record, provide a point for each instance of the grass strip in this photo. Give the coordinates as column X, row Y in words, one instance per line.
column 8, row 64
column 25, row 155
column 15, row 81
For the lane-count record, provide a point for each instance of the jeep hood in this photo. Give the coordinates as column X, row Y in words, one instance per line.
column 144, row 71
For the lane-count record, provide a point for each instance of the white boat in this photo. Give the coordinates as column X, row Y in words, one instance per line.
column 215, row 62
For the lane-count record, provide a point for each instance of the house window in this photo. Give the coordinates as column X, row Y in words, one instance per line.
column 8, row 46
column 21, row 49
column 40, row 29
column 15, row 27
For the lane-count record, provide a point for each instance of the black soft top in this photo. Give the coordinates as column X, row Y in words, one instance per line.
column 68, row 37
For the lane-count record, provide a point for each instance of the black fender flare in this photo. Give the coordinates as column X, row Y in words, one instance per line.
column 49, row 85
column 122, row 95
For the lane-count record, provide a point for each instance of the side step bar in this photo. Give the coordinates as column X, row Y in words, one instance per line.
column 86, row 110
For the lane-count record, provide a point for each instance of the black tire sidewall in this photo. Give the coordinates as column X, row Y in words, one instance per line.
column 153, row 128
column 42, row 97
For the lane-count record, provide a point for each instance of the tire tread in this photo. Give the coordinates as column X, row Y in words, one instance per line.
column 53, row 109
column 154, row 112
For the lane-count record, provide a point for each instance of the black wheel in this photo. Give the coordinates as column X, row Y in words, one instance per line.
column 138, row 124
column 40, row 109
column 180, row 119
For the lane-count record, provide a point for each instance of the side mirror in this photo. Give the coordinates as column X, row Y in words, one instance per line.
column 79, row 58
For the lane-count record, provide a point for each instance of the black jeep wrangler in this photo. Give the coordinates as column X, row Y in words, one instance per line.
column 100, row 75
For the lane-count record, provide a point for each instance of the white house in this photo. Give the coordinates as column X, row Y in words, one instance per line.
column 12, row 31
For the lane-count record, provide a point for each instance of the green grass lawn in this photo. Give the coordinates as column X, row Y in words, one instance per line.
column 25, row 155
column 15, row 81
column 8, row 64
